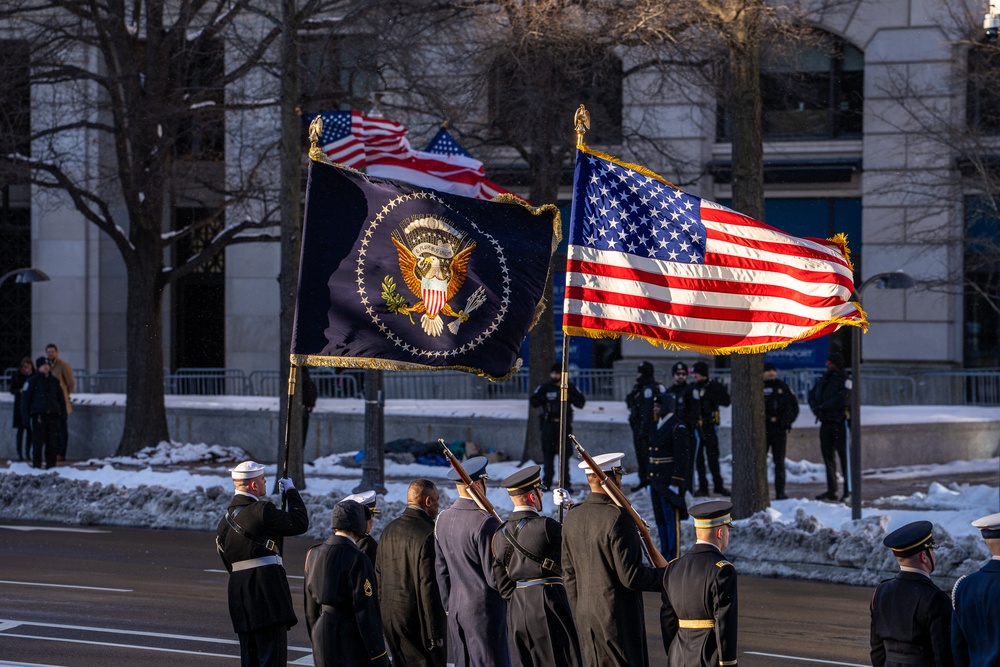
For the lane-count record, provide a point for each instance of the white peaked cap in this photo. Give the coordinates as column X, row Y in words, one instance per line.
column 247, row 470
column 605, row 462
column 367, row 498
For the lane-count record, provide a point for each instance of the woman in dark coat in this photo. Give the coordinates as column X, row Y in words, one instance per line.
column 24, row 371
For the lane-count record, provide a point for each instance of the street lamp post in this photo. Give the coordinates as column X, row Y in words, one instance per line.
column 28, row 275
column 889, row 280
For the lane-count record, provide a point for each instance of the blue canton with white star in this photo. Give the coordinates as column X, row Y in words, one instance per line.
column 617, row 209
column 444, row 144
column 336, row 125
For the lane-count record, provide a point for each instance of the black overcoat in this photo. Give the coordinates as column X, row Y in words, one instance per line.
column 911, row 623
column 412, row 613
column 369, row 547
column 539, row 618
column 477, row 615
column 975, row 623
column 259, row 597
column 605, row 575
column 698, row 618
column 781, row 407
column 341, row 603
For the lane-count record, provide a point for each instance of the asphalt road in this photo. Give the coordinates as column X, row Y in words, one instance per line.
column 85, row 597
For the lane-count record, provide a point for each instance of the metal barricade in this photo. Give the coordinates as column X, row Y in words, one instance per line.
column 205, row 382
column 108, row 381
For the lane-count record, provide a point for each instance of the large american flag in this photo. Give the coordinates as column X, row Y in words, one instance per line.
column 648, row 260
column 354, row 140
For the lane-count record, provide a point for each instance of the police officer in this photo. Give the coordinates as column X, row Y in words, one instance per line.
column 249, row 541
column 369, row 501
column 781, row 408
column 699, row 613
column 341, row 596
column 667, row 467
column 546, row 397
column 477, row 614
column 911, row 617
column 709, row 395
column 527, row 566
column 687, row 411
column 975, row 625
column 828, row 400
column 605, row 574
column 640, row 415
column 412, row 614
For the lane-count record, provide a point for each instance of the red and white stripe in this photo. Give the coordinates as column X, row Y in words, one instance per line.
column 349, row 150
column 456, row 174
column 434, row 300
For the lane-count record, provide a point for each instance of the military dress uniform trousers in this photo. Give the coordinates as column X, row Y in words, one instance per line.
column 265, row 647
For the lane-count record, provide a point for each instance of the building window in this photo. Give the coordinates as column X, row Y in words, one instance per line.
column 337, row 72
column 15, row 100
column 201, row 131
column 981, row 278
column 983, row 89
column 809, row 91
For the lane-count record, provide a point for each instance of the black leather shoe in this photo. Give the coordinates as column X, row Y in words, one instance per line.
column 827, row 496
column 723, row 491
column 701, row 493
column 780, row 496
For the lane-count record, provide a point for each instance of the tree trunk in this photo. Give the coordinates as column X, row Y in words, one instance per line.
column 145, row 413
column 750, row 492
column 290, row 423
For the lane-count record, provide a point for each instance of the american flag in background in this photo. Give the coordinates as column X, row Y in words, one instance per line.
column 646, row 259
column 342, row 136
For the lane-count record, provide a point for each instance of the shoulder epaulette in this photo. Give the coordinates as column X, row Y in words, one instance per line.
column 723, row 563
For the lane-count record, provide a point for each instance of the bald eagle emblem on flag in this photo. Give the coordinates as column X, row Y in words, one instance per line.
column 433, row 260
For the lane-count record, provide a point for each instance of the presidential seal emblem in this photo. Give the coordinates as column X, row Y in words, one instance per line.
column 433, row 260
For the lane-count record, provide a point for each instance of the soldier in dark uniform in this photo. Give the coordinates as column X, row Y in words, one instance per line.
column 640, row 416
column 341, row 596
column 605, row 575
column 546, row 397
column 249, row 540
column 367, row 543
column 975, row 624
column 413, row 617
column 911, row 617
column 477, row 614
column 43, row 404
column 667, row 466
column 780, row 411
column 709, row 395
column 527, row 568
column 699, row 612
column 828, row 400
column 687, row 411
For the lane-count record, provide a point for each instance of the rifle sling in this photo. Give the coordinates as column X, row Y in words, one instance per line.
column 231, row 520
column 546, row 563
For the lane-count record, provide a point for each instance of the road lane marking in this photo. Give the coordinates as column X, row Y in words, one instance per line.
column 114, row 645
column 801, row 659
column 6, row 663
column 86, row 588
column 54, row 529
column 289, row 576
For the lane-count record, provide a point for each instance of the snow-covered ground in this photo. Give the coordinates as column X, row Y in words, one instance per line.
column 187, row 486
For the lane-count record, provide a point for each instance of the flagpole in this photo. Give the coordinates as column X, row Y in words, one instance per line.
column 563, row 417
column 292, row 374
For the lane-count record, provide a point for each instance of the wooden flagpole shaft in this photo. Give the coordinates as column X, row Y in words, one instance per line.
column 563, row 418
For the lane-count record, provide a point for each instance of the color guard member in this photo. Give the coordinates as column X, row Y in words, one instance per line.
column 369, row 501
column 975, row 624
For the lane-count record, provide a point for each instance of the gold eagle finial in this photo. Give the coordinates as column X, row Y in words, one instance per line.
column 581, row 121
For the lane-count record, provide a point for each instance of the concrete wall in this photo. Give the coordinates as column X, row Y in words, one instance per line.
column 95, row 431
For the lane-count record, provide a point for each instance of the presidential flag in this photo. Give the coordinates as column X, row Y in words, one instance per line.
column 354, row 140
column 394, row 276
column 648, row 260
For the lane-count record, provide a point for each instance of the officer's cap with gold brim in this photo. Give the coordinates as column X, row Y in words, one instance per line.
column 523, row 481
column 712, row 514
column 247, row 470
column 474, row 467
column 611, row 462
column 910, row 539
column 989, row 525
column 368, row 500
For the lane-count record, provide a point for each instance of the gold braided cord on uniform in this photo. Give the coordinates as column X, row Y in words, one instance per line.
column 696, row 624
column 713, row 523
column 915, row 544
column 726, row 663
column 391, row 365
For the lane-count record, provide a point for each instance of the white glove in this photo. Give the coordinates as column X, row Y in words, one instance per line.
column 561, row 497
column 285, row 483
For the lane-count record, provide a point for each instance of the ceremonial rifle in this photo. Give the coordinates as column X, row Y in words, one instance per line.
column 477, row 495
column 616, row 494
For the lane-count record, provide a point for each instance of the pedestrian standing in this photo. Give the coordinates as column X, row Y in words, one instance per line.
column 605, row 574
column 477, row 614
column 687, row 411
column 341, row 596
column 975, row 623
column 547, row 397
column 699, row 613
column 22, row 436
column 668, row 448
column 911, row 617
column 709, row 395
column 249, row 540
column 528, row 569
column 781, row 408
column 42, row 405
column 413, row 616
column 64, row 373
column 369, row 501
column 828, row 400
column 640, row 416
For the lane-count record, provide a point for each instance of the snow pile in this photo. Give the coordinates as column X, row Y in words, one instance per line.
column 174, row 453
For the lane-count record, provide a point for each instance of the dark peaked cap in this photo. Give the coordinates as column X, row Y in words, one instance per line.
column 475, row 467
column 910, row 539
column 523, row 481
column 711, row 514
